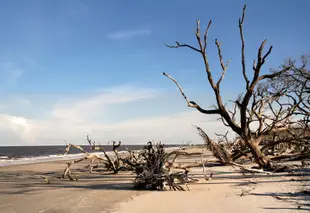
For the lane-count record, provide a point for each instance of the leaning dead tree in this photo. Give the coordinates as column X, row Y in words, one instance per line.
column 218, row 151
column 152, row 165
column 262, row 109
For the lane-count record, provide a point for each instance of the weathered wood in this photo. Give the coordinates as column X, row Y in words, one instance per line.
column 151, row 165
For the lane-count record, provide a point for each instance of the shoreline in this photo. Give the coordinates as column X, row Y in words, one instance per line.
column 23, row 190
column 59, row 157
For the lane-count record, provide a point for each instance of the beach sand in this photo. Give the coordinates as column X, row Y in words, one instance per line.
column 22, row 190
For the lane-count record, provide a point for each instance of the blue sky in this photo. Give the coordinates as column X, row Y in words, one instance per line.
column 71, row 67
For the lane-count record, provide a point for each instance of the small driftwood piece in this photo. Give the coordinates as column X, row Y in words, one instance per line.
column 210, row 176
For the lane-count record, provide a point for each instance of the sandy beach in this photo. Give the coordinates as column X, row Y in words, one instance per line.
column 22, row 189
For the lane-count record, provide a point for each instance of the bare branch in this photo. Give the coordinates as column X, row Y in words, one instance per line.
column 273, row 75
column 260, row 58
column 254, row 65
column 204, row 53
column 183, row 45
column 250, row 89
column 191, row 103
column 242, row 48
column 205, row 36
column 224, row 67
column 233, row 113
column 75, row 146
column 223, row 121
column 266, row 55
column 224, row 137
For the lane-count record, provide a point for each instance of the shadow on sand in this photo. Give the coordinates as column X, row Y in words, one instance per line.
column 26, row 183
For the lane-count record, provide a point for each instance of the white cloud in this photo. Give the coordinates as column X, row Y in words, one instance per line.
column 168, row 129
column 174, row 128
column 72, row 118
column 65, row 117
column 18, row 128
column 87, row 108
column 129, row 34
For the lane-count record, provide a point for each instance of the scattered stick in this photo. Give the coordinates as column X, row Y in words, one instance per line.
column 47, row 180
column 203, row 165
column 210, row 177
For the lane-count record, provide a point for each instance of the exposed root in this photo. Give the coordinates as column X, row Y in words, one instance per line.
column 153, row 174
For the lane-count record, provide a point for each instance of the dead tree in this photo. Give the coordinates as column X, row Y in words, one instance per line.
column 250, row 105
column 293, row 86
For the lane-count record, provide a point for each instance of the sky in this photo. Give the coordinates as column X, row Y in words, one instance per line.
column 69, row 68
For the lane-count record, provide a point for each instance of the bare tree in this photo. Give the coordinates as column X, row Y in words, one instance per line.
column 290, row 92
column 296, row 84
column 257, row 106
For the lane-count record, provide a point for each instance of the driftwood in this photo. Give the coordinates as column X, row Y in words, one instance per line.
column 91, row 156
column 152, row 173
column 112, row 164
column 151, row 165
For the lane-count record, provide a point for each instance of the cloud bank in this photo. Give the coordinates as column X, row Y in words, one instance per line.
column 72, row 118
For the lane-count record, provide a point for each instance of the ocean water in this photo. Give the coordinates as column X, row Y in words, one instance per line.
column 16, row 155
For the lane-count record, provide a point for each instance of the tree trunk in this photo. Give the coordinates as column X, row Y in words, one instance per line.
column 260, row 159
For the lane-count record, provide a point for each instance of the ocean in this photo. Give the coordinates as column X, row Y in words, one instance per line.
column 16, row 155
